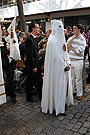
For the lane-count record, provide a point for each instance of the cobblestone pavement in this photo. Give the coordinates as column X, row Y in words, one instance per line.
column 25, row 118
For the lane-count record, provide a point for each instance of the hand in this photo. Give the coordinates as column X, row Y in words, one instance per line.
column 39, row 53
column 74, row 36
column 68, row 44
column 67, row 67
column 35, row 70
column 44, row 40
column 8, row 48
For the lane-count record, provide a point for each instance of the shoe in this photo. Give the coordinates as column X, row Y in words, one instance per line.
column 63, row 114
column 13, row 100
column 79, row 97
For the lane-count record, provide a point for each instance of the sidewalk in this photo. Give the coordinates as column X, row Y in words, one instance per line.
column 25, row 118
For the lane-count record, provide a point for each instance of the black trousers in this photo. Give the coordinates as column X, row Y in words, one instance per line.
column 9, row 72
column 88, row 78
column 31, row 78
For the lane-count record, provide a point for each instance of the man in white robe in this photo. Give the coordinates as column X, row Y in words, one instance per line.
column 57, row 64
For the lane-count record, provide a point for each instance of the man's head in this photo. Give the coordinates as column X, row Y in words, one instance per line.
column 17, row 29
column 22, row 37
column 76, row 29
column 34, row 29
column 68, row 28
column 3, row 30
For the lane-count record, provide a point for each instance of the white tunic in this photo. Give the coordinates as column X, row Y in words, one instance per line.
column 55, row 78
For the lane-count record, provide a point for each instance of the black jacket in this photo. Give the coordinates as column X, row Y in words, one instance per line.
column 22, row 50
column 31, row 47
column 4, row 53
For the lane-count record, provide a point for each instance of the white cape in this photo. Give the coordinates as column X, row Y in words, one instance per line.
column 55, row 79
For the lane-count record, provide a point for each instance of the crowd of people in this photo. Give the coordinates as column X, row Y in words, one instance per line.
column 53, row 62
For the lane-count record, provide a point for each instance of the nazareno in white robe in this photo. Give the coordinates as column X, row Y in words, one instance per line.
column 2, row 87
column 56, row 80
column 14, row 47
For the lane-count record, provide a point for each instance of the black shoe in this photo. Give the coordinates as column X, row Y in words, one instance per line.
column 13, row 100
column 63, row 114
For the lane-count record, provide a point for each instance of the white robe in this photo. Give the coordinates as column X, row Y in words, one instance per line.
column 55, row 78
column 2, row 87
column 14, row 47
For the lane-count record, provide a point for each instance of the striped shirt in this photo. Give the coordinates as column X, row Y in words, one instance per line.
column 79, row 45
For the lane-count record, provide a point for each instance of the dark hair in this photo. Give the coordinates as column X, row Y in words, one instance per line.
column 88, row 27
column 82, row 28
column 17, row 27
column 77, row 25
column 2, row 26
column 69, row 28
column 32, row 25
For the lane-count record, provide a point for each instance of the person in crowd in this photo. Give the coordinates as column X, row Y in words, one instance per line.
column 69, row 31
column 20, row 69
column 76, row 45
column 42, row 49
column 85, row 53
column 88, row 77
column 32, row 67
column 89, row 45
column 26, row 34
column 8, row 68
column 44, row 41
column 66, row 36
column 18, row 32
column 40, row 36
column 57, row 63
column 22, row 47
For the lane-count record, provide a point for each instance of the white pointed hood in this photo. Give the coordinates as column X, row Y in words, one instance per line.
column 13, row 26
column 58, row 31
